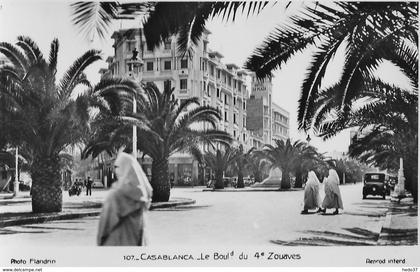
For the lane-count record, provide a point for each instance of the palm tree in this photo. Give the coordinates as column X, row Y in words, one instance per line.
column 308, row 159
column 257, row 164
column 285, row 156
column 44, row 116
column 162, row 19
column 219, row 161
column 239, row 165
column 172, row 127
column 388, row 120
column 371, row 31
column 384, row 149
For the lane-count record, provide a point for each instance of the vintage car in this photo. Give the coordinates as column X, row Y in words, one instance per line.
column 375, row 184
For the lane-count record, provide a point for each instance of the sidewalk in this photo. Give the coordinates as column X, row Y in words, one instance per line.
column 18, row 210
column 401, row 224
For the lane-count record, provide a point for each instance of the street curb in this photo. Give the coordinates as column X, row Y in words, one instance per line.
column 387, row 225
column 250, row 190
column 70, row 215
column 11, row 196
column 161, row 205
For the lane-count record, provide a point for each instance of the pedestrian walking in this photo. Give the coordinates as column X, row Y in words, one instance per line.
column 332, row 198
column 89, row 183
column 123, row 217
column 311, row 198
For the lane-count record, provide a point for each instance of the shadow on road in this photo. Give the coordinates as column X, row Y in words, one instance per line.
column 12, row 231
column 357, row 237
column 48, row 228
column 182, row 208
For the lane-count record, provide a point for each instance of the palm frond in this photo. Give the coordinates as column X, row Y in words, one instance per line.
column 15, row 56
column 94, row 17
column 76, row 69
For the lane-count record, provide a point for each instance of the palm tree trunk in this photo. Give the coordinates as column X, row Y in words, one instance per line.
column 240, row 180
column 47, row 195
column 219, row 180
column 257, row 176
column 285, row 180
column 160, row 180
column 299, row 179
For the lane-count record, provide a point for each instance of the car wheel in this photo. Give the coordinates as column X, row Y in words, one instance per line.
column 383, row 196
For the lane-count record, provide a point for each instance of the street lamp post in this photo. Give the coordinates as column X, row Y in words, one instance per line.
column 400, row 190
column 133, row 63
column 16, row 187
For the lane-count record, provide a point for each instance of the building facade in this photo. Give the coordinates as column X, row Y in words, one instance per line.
column 252, row 122
column 266, row 120
column 201, row 74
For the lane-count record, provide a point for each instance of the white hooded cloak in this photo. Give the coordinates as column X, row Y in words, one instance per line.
column 311, row 195
column 123, row 217
column 332, row 198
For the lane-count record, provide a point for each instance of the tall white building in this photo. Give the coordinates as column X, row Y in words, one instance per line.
column 202, row 75
column 266, row 121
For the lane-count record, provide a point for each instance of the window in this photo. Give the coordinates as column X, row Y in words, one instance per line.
column 218, row 74
column 226, row 116
column 117, row 68
column 149, row 66
column 208, row 90
column 167, row 45
column 244, row 137
column 244, row 122
column 183, row 84
column 211, row 70
column 204, row 86
column 184, row 63
column 226, row 100
column 244, row 106
column 234, row 134
column 167, row 85
column 130, row 46
column 234, row 83
column 167, row 65
column 234, row 118
column 234, row 101
column 218, row 93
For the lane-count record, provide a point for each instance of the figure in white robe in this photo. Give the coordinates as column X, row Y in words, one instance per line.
column 123, row 217
column 332, row 198
column 311, row 198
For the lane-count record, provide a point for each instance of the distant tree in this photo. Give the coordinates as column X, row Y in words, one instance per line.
column 219, row 161
column 257, row 164
column 285, row 156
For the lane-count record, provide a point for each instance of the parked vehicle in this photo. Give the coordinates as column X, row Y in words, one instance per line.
column 23, row 186
column 75, row 189
column 375, row 184
column 97, row 184
column 210, row 183
column 228, row 182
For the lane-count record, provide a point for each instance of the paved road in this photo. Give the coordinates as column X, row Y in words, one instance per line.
column 229, row 219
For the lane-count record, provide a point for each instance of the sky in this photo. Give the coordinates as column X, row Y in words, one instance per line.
column 45, row 20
